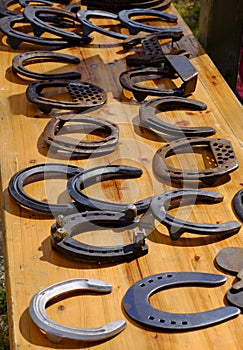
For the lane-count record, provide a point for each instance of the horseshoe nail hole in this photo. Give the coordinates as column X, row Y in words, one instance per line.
column 142, row 285
column 159, row 278
column 150, row 281
column 184, row 322
column 172, row 322
column 151, row 318
column 162, row 321
column 169, row 276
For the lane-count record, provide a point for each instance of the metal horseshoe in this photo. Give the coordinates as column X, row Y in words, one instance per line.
column 100, row 174
column 66, row 228
column 221, row 149
column 176, row 227
column 148, row 118
column 137, row 306
column 55, row 332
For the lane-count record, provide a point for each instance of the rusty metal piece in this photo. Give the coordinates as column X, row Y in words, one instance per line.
column 38, row 16
column 20, row 61
column 149, row 120
column 100, row 174
column 79, row 147
column 181, row 197
column 238, row 204
column 97, row 220
column 221, row 149
column 88, row 27
column 153, row 54
column 16, row 36
column 134, row 26
column 84, row 95
column 174, row 66
column 37, row 173
column 231, row 260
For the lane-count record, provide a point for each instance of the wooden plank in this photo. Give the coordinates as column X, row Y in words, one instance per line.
column 31, row 264
column 220, row 33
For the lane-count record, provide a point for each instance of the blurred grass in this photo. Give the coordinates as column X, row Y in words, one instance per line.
column 4, row 340
column 189, row 10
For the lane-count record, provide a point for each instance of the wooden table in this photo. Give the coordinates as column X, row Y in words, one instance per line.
column 32, row 265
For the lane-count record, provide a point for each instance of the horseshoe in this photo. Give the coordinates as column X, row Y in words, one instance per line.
column 55, row 331
column 135, row 27
column 37, row 173
column 100, row 174
column 20, row 61
column 137, row 306
column 176, row 227
column 221, row 149
column 88, row 27
column 238, row 204
column 148, row 118
column 66, row 228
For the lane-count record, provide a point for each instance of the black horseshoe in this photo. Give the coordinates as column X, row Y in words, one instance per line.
column 115, row 7
column 137, row 306
column 135, row 27
column 176, row 227
column 37, row 173
column 35, row 14
column 16, row 37
column 88, row 27
column 65, row 243
column 99, row 174
column 148, row 119
column 238, row 204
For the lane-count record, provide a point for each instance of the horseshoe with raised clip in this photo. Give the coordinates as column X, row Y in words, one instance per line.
column 148, row 118
column 176, row 227
column 222, row 151
column 66, row 228
column 137, row 306
column 55, row 331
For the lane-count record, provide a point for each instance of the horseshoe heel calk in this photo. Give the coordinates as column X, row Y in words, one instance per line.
column 136, row 302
